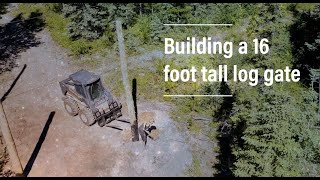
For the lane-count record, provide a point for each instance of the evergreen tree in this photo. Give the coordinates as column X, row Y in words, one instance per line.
column 279, row 133
column 91, row 20
column 275, row 128
column 88, row 20
column 306, row 41
column 3, row 7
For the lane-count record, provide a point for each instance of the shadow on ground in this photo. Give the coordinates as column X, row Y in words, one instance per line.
column 37, row 148
column 17, row 36
column 225, row 138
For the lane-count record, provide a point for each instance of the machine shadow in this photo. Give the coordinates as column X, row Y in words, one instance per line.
column 37, row 148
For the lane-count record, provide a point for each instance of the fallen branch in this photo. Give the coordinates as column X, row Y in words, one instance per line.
column 202, row 119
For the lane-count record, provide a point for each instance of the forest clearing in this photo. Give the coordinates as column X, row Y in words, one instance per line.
column 265, row 127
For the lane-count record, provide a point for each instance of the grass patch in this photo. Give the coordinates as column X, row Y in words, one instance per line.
column 89, row 63
column 149, row 83
column 193, row 126
column 113, row 81
column 194, row 169
column 214, row 132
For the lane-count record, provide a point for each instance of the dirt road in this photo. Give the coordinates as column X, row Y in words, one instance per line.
column 51, row 143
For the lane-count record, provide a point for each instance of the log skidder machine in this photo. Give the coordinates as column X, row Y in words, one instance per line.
column 86, row 96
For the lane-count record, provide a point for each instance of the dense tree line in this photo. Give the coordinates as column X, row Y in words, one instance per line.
column 279, row 125
column 91, row 20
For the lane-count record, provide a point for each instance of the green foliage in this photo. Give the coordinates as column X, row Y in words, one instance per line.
column 306, row 41
column 3, row 8
column 157, row 29
column 89, row 63
column 57, row 24
column 55, row 7
column 195, row 168
column 138, row 35
column 277, row 134
column 172, row 12
column 274, row 128
column 149, row 82
column 91, row 20
column 300, row 7
column 87, row 20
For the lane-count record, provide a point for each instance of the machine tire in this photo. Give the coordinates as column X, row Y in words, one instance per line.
column 142, row 133
column 86, row 116
column 71, row 106
column 102, row 122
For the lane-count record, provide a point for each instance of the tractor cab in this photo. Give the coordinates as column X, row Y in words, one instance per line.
column 88, row 85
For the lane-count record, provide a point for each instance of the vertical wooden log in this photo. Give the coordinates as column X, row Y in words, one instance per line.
column 12, row 151
column 140, row 9
column 124, row 71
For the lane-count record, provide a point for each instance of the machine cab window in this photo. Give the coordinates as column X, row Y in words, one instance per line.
column 80, row 90
column 95, row 90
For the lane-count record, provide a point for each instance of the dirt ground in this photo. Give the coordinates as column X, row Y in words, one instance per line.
column 51, row 143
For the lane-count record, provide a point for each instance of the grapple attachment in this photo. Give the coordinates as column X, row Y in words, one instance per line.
column 112, row 112
column 147, row 127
